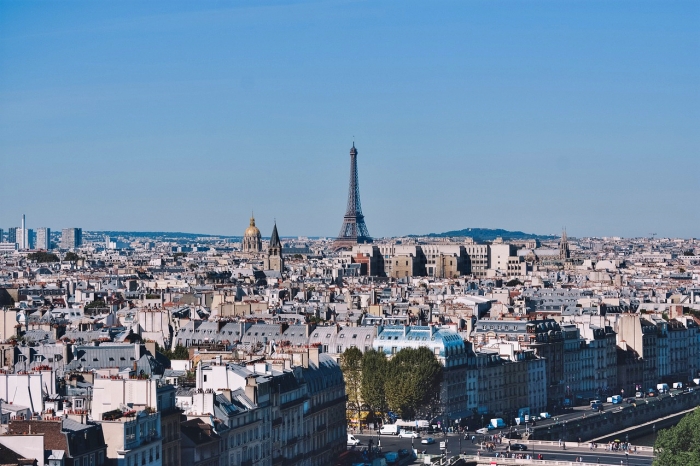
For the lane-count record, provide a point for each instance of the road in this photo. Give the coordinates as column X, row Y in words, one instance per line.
column 393, row 443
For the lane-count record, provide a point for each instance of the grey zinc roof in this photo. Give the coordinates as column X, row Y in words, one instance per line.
column 324, row 335
column 262, row 333
column 107, row 355
column 297, row 335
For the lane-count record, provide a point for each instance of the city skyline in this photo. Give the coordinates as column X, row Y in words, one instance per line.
column 517, row 116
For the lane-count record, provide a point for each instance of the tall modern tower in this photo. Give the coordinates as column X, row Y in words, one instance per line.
column 43, row 239
column 71, row 238
column 354, row 230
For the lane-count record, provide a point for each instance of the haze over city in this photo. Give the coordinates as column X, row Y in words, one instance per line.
column 184, row 116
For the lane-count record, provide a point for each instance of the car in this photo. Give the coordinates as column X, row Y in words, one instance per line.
column 535, row 418
column 545, row 415
column 518, row 447
column 482, row 431
column 428, row 441
column 408, row 434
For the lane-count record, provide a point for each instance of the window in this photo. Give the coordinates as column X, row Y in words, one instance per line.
column 367, row 337
column 342, row 335
column 205, row 377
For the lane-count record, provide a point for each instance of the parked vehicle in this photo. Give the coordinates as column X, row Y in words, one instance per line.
column 353, row 441
column 390, row 429
column 678, row 385
column 597, row 405
column 545, row 415
column 662, row 387
column 615, row 399
column 497, row 423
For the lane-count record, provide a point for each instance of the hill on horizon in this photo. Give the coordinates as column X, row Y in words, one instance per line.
column 489, row 234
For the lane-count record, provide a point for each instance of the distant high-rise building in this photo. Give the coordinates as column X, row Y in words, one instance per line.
column 12, row 235
column 43, row 238
column 71, row 238
column 23, row 235
column 2, row 235
column 26, row 238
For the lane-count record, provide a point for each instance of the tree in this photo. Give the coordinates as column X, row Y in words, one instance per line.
column 180, row 352
column 95, row 303
column 42, row 256
column 679, row 445
column 71, row 257
column 351, row 365
column 412, row 381
column 374, row 365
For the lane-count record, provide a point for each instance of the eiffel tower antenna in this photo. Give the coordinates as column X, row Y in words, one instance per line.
column 354, row 230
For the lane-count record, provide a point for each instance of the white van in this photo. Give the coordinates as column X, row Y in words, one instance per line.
column 678, row 385
column 353, row 441
column 390, row 429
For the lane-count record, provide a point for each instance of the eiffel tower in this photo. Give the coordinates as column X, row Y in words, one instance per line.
column 354, row 230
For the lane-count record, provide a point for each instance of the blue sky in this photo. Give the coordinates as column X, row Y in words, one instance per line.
column 185, row 116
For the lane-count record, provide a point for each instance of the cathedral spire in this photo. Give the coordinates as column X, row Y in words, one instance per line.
column 275, row 238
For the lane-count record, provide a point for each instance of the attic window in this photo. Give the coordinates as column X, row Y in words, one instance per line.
column 328, row 335
column 316, row 335
column 342, row 335
column 367, row 337
column 355, row 335
column 132, row 358
column 111, row 359
column 95, row 359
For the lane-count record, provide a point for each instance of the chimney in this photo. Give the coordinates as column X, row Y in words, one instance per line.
column 314, row 352
column 151, row 348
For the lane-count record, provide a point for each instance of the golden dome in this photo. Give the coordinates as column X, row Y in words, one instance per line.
column 252, row 230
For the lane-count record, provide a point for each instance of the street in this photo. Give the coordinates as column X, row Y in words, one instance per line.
column 553, row 452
